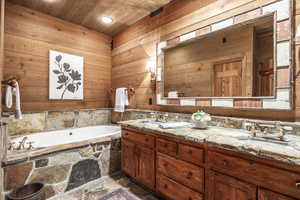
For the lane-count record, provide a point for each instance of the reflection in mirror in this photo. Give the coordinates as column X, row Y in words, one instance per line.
column 234, row 62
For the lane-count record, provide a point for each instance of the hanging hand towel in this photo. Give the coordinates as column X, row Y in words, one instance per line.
column 10, row 91
column 121, row 99
column 8, row 97
column 18, row 112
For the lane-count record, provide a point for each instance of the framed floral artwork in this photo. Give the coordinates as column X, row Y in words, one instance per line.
column 65, row 76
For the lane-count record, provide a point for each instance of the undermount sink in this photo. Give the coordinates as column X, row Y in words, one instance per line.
column 167, row 125
column 151, row 122
column 273, row 140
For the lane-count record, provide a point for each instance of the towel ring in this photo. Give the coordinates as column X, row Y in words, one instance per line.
column 11, row 82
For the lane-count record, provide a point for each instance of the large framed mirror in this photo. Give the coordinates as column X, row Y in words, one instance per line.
column 235, row 62
column 241, row 61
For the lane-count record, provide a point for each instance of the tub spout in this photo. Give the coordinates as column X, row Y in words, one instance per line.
column 22, row 143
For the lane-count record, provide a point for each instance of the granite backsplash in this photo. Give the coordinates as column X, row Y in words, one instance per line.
column 34, row 122
column 220, row 121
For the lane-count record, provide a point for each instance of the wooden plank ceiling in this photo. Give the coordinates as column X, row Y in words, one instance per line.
column 87, row 12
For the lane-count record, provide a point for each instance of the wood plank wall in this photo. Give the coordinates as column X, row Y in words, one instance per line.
column 297, row 59
column 136, row 45
column 2, row 9
column 29, row 35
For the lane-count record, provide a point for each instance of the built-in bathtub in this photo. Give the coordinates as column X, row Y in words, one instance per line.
column 67, row 161
column 67, row 136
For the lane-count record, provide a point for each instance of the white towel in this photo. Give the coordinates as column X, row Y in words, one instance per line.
column 10, row 91
column 121, row 99
column 8, row 97
column 170, row 125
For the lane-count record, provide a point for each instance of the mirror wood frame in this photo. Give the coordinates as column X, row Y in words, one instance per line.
column 283, row 61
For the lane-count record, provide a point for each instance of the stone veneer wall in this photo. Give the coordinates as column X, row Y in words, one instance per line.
column 69, row 173
column 33, row 122
column 227, row 122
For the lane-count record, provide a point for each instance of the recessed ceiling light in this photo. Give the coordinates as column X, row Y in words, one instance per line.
column 107, row 20
column 50, row 1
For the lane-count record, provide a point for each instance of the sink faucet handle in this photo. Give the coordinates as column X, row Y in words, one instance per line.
column 283, row 130
column 11, row 146
column 281, row 133
column 253, row 129
column 165, row 117
column 152, row 115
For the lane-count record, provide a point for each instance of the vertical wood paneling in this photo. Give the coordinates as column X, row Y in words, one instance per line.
column 29, row 36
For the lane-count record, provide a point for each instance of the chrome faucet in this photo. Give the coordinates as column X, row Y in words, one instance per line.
column 162, row 117
column 268, row 129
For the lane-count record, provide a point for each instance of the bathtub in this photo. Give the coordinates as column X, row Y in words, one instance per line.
column 94, row 150
column 67, row 136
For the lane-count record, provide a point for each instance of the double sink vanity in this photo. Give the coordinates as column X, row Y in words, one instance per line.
column 213, row 164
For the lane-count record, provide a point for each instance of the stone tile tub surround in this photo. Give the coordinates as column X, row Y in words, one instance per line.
column 66, row 171
column 226, row 138
column 34, row 122
column 219, row 121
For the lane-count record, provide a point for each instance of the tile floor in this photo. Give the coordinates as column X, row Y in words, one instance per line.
column 119, row 181
column 97, row 189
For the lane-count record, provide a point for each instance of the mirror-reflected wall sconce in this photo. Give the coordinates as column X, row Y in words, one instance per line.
column 151, row 68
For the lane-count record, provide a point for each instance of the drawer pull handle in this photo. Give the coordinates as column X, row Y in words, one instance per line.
column 166, row 186
column 298, row 184
column 166, row 164
column 189, row 175
column 190, row 152
column 146, row 139
column 166, row 145
column 224, row 162
column 190, row 198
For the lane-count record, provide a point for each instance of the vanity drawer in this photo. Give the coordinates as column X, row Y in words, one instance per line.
column 191, row 154
column 166, row 146
column 276, row 179
column 174, row 191
column 139, row 138
column 182, row 172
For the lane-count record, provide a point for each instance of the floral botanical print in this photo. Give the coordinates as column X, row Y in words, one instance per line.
column 67, row 76
column 68, row 79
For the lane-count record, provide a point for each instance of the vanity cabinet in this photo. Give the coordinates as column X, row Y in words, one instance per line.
column 129, row 158
column 138, row 158
column 184, row 170
column 145, row 172
column 222, row 187
column 264, row 194
column 174, row 190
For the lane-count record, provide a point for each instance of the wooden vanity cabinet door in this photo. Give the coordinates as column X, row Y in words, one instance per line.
column 129, row 158
column 264, row 194
column 222, row 187
column 145, row 166
column 175, row 191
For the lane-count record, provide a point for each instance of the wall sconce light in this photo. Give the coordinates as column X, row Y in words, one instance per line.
column 151, row 68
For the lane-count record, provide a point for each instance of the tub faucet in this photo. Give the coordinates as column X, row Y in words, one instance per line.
column 22, row 143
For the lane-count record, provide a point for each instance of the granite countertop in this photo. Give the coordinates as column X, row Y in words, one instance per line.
column 229, row 138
